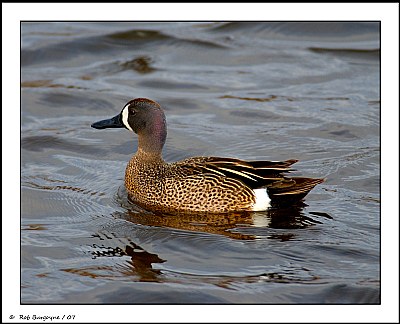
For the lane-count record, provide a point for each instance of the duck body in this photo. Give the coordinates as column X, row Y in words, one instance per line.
column 198, row 184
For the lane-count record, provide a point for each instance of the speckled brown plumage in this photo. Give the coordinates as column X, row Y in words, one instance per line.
column 199, row 184
column 184, row 185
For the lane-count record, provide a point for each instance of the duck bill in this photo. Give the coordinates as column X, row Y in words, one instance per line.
column 114, row 122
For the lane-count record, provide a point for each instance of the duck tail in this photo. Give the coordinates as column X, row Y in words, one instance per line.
column 291, row 189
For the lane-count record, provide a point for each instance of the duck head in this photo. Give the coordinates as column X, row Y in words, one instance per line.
column 143, row 116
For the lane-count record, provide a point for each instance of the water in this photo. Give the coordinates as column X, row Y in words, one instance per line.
column 308, row 91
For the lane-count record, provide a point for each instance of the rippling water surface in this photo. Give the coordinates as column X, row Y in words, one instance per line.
column 308, row 91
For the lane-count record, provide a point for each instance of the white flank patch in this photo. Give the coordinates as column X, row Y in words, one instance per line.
column 262, row 200
column 125, row 114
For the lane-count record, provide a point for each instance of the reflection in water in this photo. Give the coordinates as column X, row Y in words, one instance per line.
column 141, row 263
column 223, row 224
column 140, row 266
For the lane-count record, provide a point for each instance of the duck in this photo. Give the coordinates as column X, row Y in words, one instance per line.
column 207, row 184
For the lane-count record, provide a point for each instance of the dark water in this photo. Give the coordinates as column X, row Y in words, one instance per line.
column 308, row 91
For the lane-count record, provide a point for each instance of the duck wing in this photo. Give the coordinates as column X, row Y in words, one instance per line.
column 255, row 174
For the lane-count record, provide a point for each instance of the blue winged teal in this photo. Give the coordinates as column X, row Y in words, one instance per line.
column 198, row 184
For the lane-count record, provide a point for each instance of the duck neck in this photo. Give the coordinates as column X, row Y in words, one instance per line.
column 151, row 142
column 149, row 147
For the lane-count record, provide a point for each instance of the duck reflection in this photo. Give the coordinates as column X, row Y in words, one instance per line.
column 276, row 223
column 139, row 266
column 142, row 265
column 233, row 225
